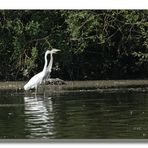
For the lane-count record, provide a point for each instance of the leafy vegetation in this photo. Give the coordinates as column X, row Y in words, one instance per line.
column 95, row 44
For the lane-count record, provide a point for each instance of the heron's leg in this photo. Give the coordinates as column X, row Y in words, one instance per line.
column 44, row 81
column 44, row 84
column 36, row 89
column 44, row 94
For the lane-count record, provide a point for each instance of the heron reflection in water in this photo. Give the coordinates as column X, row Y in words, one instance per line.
column 39, row 117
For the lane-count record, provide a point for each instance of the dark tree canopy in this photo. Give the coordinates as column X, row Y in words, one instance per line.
column 95, row 44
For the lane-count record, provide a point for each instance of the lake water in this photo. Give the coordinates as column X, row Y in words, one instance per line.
column 113, row 114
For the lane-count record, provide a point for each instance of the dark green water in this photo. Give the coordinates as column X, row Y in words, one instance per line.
column 74, row 115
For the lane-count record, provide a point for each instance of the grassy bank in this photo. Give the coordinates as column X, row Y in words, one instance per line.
column 78, row 85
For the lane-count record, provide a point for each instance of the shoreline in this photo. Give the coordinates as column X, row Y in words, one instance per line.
column 78, row 85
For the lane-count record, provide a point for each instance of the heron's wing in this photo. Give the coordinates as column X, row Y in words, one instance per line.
column 35, row 80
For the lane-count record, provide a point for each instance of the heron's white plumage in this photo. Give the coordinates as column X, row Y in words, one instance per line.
column 36, row 80
column 49, row 68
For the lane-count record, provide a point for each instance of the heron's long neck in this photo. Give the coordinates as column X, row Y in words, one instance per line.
column 45, row 65
column 50, row 63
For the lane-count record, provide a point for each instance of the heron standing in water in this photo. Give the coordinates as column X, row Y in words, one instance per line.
column 37, row 79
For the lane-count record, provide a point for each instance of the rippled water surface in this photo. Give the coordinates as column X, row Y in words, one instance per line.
column 74, row 115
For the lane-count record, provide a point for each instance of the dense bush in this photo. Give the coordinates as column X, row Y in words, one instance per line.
column 95, row 44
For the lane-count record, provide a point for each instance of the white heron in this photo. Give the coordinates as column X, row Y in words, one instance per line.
column 36, row 80
column 49, row 68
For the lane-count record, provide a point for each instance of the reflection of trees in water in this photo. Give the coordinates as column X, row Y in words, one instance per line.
column 11, row 119
column 39, row 117
column 101, row 115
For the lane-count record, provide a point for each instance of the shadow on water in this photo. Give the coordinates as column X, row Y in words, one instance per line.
column 75, row 115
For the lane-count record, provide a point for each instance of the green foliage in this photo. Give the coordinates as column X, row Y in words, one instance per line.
column 30, row 61
column 95, row 44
